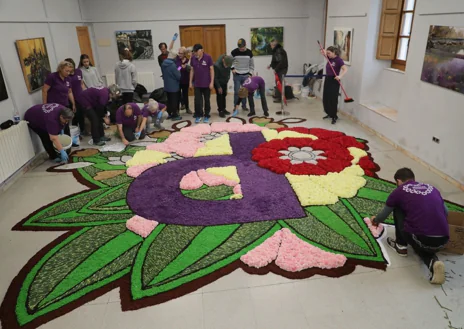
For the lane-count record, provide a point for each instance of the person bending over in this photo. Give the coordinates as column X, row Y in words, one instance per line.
column 420, row 217
column 222, row 69
column 129, row 121
column 247, row 90
column 152, row 111
column 48, row 121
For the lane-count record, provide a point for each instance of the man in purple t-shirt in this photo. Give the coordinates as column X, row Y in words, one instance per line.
column 202, row 75
column 129, row 120
column 248, row 89
column 420, row 217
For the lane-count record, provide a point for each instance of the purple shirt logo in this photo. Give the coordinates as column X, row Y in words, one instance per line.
column 47, row 108
column 418, row 188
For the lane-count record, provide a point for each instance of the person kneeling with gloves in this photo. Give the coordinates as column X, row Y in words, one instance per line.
column 152, row 111
column 129, row 121
column 247, row 90
column 48, row 121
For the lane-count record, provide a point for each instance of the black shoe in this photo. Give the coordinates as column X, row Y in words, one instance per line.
column 266, row 114
column 251, row 114
column 245, row 108
column 105, row 139
column 326, row 117
column 222, row 114
column 334, row 121
column 437, row 272
column 226, row 112
column 277, row 101
column 400, row 250
column 176, row 118
column 189, row 111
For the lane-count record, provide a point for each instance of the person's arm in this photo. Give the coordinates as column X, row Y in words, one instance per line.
column 235, row 62
column 121, row 134
column 191, row 77
column 56, row 142
column 45, row 90
column 382, row 215
column 211, row 71
column 139, row 123
column 174, row 38
column 134, row 76
column 278, row 60
column 83, row 86
column 143, row 125
column 252, row 64
column 216, row 78
column 160, row 60
column 343, row 71
column 71, row 99
column 446, row 209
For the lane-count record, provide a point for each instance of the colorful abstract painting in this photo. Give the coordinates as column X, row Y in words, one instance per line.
column 343, row 40
column 172, row 213
column 261, row 38
column 444, row 58
column 139, row 42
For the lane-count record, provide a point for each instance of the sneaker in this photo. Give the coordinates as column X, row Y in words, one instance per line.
column 244, row 108
column 226, row 112
column 235, row 113
column 169, row 117
column 100, row 143
column 312, row 96
column 437, row 272
column 206, row 120
column 105, row 139
column 400, row 250
column 189, row 111
column 251, row 114
column 176, row 118
column 197, row 120
column 266, row 114
column 222, row 114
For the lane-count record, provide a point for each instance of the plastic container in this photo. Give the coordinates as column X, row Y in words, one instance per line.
column 66, row 142
column 75, row 133
column 305, row 92
column 296, row 88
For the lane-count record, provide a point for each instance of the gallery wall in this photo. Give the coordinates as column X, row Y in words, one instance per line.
column 424, row 110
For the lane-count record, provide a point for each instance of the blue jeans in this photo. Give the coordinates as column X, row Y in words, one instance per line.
column 238, row 81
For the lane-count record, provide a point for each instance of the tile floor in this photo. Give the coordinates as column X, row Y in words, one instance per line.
column 401, row 297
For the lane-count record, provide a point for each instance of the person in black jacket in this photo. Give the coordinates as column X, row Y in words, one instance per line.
column 279, row 64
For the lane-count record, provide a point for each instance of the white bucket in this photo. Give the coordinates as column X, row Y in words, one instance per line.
column 296, row 88
column 305, row 92
column 75, row 133
column 66, row 142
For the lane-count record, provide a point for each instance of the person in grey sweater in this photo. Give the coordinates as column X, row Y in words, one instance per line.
column 92, row 78
column 126, row 77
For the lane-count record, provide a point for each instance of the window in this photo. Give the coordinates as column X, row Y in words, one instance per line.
column 395, row 31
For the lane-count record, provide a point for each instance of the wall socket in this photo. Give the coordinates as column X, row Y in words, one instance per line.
column 436, row 139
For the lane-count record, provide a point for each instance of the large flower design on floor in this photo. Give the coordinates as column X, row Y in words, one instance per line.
column 162, row 219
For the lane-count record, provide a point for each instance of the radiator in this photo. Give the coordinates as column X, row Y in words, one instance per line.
column 147, row 79
column 15, row 149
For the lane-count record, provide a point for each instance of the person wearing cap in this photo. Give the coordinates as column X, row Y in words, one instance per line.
column 242, row 68
column 152, row 110
column 279, row 64
column 93, row 102
column 129, row 120
column 202, row 74
column 48, row 121
column 171, row 77
column 222, row 69
column 247, row 90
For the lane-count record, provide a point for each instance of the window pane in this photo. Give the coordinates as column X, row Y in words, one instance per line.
column 402, row 49
column 406, row 24
column 409, row 4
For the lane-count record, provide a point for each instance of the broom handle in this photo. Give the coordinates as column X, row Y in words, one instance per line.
column 333, row 70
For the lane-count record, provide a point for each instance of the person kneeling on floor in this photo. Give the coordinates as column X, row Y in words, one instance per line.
column 420, row 217
column 247, row 90
column 129, row 121
column 48, row 121
column 152, row 111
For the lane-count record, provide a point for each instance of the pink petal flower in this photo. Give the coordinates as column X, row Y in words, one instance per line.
column 187, row 149
column 217, row 127
column 141, row 226
column 265, row 253
column 211, row 179
column 191, row 181
column 237, row 189
column 202, row 129
column 376, row 231
column 160, row 147
column 250, row 127
column 136, row 171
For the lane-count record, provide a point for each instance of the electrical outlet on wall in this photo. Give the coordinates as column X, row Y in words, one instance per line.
column 436, row 139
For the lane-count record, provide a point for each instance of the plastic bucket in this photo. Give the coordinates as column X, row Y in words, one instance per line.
column 66, row 142
column 75, row 133
column 305, row 92
column 296, row 88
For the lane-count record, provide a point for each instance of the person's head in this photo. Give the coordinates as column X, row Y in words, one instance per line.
column 182, row 52
column 163, row 47
column 85, row 61
column 404, row 175
column 241, row 44
column 243, row 92
column 273, row 43
column 198, row 50
column 333, row 52
column 66, row 115
column 227, row 61
column 126, row 55
column 172, row 54
column 65, row 68
column 115, row 91
column 70, row 60
column 128, row 111
column 153, row 105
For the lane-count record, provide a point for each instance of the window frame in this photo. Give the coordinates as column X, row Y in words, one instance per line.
column 399, row 63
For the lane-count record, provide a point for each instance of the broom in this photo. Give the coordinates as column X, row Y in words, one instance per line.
column 347, row 99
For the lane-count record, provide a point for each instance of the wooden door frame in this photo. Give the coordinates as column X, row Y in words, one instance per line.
column 206, row 25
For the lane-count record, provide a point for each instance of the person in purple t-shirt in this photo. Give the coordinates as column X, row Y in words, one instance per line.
column 331, row 83
column 420, row 216
column 77, row 87
column 202, row 74
column 152, row 110
column 48, row 121
column 182, row 63
column 248, row 90
column 57, row 87
column 129, row 120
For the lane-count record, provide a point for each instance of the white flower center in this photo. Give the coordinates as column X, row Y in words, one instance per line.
column 304, row 155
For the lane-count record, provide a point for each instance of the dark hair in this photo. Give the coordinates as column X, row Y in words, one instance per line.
column 66, row 113
column 126, row 54
column 70, row 60
column 334, row 50
column 81, row 61
column 162, row 44
column 274, row 40
column 404, row 174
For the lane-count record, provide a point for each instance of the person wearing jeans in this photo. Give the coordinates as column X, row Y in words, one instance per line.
column 171, row 77
column 248, row 90
column 242, row 68
column 222, row 69
column 420, row 217
column 202, row 75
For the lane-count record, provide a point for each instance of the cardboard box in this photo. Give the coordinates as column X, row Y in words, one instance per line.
column 456, row 227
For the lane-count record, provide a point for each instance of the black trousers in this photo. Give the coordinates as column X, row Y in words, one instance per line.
column 47, row 143
column 95, row 117
column 127, row 98
column 202, row 96
column 173, row 103
column 330, row 96
column 277, row 93
column 251, row 101
column 221, row 98
column 425, row 246
column 129, row 133
column 184, row 95
column 79, row 117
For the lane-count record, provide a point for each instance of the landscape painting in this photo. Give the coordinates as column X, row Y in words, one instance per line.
column 35, row 63
column 444, row 58
column 261, row 38
column 343, row 40
column 3, row 91
column 139, row 42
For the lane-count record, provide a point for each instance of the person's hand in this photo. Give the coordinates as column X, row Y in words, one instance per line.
column 269, row 67
column 234, row 71
column 190, row 85
column 125, row 142
column 174, row 38
column 373, row 221
column 323, row 52
column 64, row 156
column 338, row 78
column 61, row 132
column 211, row 86
column 137, row 135
column 74, row 108
column 220, row 91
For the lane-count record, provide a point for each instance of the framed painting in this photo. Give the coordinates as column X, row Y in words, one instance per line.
column 261, row 38
column 343, row 40
column 139, row 42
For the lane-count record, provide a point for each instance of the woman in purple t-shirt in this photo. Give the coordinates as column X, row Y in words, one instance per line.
column 57, row 87
column 331, row 84
column 77, row 86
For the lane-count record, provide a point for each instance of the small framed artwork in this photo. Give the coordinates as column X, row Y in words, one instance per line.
column 343, row 40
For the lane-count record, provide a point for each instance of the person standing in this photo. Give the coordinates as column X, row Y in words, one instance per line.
column 77, row 87
column 202, row 74
column 90, row 73
column 182, row 63
column 222, row 69
column 57, row 87
column 129, row 120
column 163, row 47
column 242, row 68
column 420, row 216
column 126, row 76
column 279, row 64
column 332, row 82
column 248, row 90
column 171, row 77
